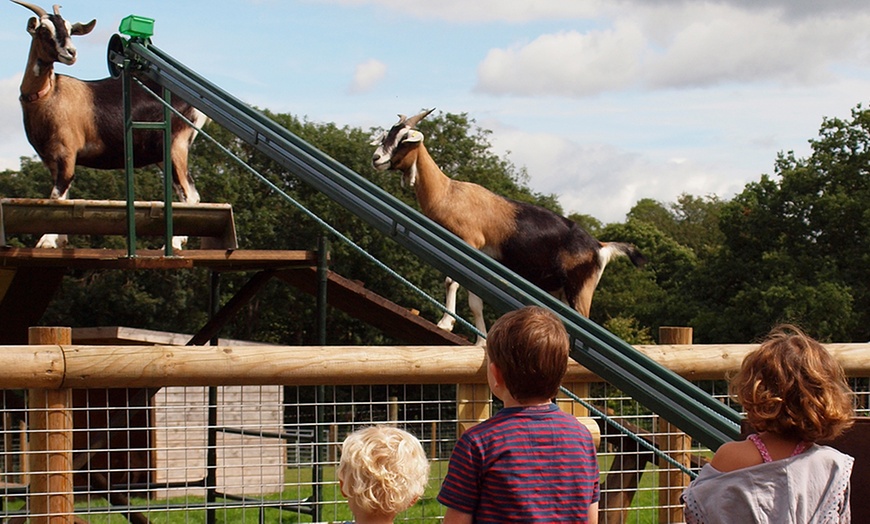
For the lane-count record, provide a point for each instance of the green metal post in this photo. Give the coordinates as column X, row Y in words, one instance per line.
column 167, row 170
column 320, row 392
column 127, row 83
column 211, row 445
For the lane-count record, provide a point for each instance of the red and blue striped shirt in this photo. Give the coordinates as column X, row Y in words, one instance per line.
column 525, row 464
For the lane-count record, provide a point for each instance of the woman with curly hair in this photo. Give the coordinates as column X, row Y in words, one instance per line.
column 383, row 471
column 794, row 394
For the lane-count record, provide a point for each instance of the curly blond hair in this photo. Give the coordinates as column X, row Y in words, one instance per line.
column 791, row 385
column 383, row 469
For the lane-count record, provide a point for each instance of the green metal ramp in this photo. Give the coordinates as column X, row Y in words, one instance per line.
column 677, row 400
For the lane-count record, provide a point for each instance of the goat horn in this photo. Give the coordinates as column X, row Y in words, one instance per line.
column 56, row 9
column 40, row 12
column 414, row 120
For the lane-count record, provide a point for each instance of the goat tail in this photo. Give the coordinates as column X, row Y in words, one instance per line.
column 611, row 249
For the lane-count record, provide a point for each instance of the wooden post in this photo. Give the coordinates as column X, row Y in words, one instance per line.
column 433, row 443
column 394, row 409
column 473, row 405
column 51, row 427
column 334, row 446
column 568, row 405
column 675, row 443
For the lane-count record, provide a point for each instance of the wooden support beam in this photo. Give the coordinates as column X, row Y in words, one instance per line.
column 676, row 444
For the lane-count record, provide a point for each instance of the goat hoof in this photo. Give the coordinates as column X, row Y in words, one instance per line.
column 446, row 323
column 178, row 243
column 52, row 241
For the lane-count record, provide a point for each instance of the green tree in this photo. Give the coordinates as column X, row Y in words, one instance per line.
column 796, row 245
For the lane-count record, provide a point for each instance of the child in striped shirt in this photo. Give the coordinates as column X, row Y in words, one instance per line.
column 530, row 462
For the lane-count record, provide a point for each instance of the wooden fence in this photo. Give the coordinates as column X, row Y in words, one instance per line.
column 50, row 368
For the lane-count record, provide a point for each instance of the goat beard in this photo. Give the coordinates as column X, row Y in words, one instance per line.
column 409, row 178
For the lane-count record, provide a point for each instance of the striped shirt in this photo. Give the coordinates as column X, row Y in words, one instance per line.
column 525, row 464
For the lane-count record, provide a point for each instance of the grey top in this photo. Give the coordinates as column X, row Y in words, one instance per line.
column 811, row 488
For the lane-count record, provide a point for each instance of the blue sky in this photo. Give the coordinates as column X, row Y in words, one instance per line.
column 603, row 101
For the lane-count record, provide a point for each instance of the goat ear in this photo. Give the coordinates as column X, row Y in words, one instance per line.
column 83, row 29
column 32, row 24
column 413, row 136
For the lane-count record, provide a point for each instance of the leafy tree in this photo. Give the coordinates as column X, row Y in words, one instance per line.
column 796, row 245
column 652, row 296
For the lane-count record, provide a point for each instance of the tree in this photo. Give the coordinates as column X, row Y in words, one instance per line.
column 796, row 245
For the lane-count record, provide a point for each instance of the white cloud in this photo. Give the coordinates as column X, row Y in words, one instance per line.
column 605, row 181
column 719, row 44
column 518, row 11
column 367, row 75
column 463, row 11
column 677, row 46
column 12, row 139
column 567, row 63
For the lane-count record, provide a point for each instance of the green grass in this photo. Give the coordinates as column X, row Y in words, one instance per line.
column 334, row 507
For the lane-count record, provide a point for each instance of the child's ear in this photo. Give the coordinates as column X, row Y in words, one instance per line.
column 496, row 373
column 341, row 488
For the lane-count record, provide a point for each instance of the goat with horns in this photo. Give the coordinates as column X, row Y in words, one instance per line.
column 72, row 122
column 545, row 248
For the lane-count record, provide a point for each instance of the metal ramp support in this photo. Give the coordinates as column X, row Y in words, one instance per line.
column 680, row 402
column 212, row 222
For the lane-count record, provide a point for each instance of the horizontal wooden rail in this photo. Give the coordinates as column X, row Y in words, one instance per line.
column 213, row 222
column 47, row 366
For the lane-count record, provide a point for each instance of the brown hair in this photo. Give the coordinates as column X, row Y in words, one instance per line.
column 530, row 348
column 792, row 386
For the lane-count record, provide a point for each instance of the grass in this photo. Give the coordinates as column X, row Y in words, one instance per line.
column 333, row 509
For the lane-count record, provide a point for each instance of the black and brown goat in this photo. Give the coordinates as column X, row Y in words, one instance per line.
column 73, row 122
column 546, row 249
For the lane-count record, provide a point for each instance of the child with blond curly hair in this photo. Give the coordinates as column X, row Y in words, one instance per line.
column 794, row 394
column 382, row 472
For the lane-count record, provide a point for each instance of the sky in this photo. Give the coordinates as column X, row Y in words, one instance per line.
column 604, row 102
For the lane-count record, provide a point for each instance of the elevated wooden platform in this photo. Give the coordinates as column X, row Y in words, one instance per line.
column 217, row 259
column 29, row 278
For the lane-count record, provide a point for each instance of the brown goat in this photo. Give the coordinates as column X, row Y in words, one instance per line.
column 546, row 249
column 72, row 122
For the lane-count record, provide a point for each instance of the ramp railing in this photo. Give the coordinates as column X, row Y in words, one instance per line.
column 680, row 402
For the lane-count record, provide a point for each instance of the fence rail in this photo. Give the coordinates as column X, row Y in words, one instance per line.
column 67, row 366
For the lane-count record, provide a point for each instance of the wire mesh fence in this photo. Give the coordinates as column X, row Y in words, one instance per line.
column 269, row 453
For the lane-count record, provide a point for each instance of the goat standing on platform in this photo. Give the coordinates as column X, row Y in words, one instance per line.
column 546, row 249
column 72, row 122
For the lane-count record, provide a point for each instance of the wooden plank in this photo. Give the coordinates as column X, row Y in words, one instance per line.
column 229, row 310
column 217, row 259
column 127, row 336
column 354, row 299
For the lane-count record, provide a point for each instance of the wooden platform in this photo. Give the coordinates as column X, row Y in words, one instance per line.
column 217, row 259
column 29, row 278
